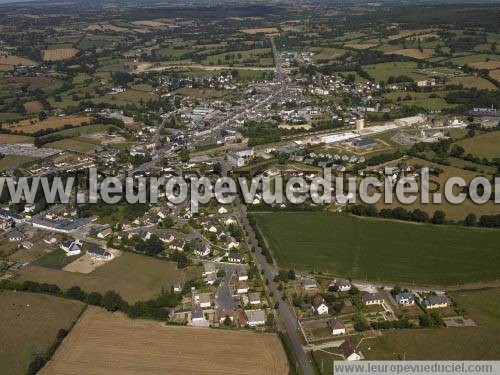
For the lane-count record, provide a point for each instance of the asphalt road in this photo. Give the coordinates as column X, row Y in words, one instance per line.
column 285, row 311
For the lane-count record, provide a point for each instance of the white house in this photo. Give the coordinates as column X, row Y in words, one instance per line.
column 234, row 257
column 319, row 305
column 242, row 275
column 29, row 207
column 198, row 317
column 72, row 247
column 336, row 327
column 405, row 299
column 242, row 287
column 349, row 351
column 222, row 210
column 104, row 233
column 202, row 250
column 342, row 285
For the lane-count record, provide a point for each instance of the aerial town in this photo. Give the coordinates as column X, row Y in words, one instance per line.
column 247, row 91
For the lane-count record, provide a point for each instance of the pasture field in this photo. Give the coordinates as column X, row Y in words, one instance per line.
column 360, row 45
column 135, row 277
column 84, row 130
column 464, row 343
column 420, row 99
column 13, row 161
column 495, row 74
column 8, row 62
column 32, row 126
column 253, row 57
column 381, row 250
column 29, row 324
column 381, row 72
column 473, row 82
column 483, row 145
column 58, row 54
column 72, row 144
column 474, row 59
column 98, row 341
column 201, row 93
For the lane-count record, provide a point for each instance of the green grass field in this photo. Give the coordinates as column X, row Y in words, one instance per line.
column 29, row 324
column 483, row 146
column 381, row 72
column 135, row 277
column 72, row 144
column 380, row 250
column 465, row 343
column 56, row 259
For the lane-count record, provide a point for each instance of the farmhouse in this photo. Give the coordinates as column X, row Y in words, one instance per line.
column 349, row 351
column 372, row 299
column 318, row 305
column 336, row 327
column 436, row 302
column 97, row 252
column 71, row 247
column 406, row 299
column 255, row 317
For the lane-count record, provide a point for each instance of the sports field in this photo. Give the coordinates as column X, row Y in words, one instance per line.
column 380, row 250
column 29, row 324
column 464, row 343
column 105, row 343
column 135, row 277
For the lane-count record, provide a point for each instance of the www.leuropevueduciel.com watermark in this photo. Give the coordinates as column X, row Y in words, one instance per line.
column 270, row 190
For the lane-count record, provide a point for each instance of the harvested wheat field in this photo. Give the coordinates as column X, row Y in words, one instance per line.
column 31, row 126
column 266, row 30
column 13, row 138
column 59, row 54
column 360, row 45
column 105, row 343
column 413, row 52
column 33, row 106
column 16, row 60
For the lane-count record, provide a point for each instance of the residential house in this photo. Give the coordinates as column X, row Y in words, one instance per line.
column 105, row 233
column 177, row 287
column 242, row 287
column 342, row 285
column 254, row 298
column 29, row 208
column 50, row 239
column 436, row 302
column 255, row 317
column 71, row 247
column 202, row 250
column 242, row 275
column 349, row 351
column 198, row 317
column 209, row 268
column 15, row 236
column 234, row 257
column 98, row 253
column 27, row 244
column 309, row 283
column 319, row 306
column 204, row 300
column 211, row 279
column 227, row 313
column 372, row 299
column 336, row 327
column 405, row 299
column 177, row 244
